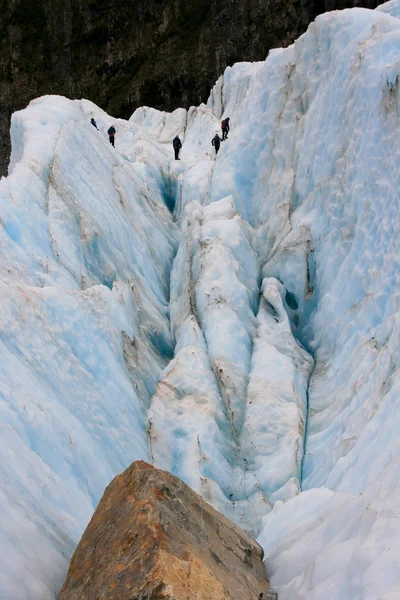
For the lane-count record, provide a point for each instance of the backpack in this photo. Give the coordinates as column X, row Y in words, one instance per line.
column 176, row 142
column 223, row 124
column 111, row 131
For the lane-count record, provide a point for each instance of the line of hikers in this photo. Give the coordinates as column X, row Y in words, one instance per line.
column 177, row 144
column 111, row 131
column 216, row 141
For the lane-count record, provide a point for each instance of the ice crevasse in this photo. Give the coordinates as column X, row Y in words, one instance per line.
column 233, row 319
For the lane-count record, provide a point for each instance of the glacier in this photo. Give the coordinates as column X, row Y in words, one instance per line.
column 232, row 319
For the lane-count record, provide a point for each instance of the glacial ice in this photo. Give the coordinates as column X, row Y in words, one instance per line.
column 84, row 330
column 234, row 319
column 240, row 413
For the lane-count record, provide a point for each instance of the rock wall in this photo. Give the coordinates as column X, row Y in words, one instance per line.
column 161, row 53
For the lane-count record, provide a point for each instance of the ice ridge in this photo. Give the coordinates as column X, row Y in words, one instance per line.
column 234, row 320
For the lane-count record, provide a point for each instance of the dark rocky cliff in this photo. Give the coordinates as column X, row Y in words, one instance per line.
column 163, row 53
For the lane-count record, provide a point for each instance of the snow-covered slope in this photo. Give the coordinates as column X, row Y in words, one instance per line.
column 217, row 316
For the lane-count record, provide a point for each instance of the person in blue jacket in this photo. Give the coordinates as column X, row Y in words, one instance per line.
column 216, row 142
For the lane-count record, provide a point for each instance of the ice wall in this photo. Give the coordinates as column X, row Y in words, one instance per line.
column 312, row 165
column 323, row 194
column 216, row 315
column 86, row 248
column 228, row 415
column 325, row 182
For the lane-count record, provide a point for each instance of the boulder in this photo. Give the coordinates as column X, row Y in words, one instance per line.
column 152, row 537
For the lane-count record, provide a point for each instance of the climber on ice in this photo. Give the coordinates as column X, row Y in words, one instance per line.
column 216, row 142
column 225, row 128
column 93, row 122
column 111, row 134
column 177, row 144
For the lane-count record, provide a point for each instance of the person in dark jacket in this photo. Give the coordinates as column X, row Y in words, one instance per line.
column 225, row 128
column 177, row 144
column 111, row 134
column 216, row 142
column 93, row 122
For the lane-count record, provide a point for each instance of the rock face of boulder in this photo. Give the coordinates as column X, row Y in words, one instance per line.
column 153, row 538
